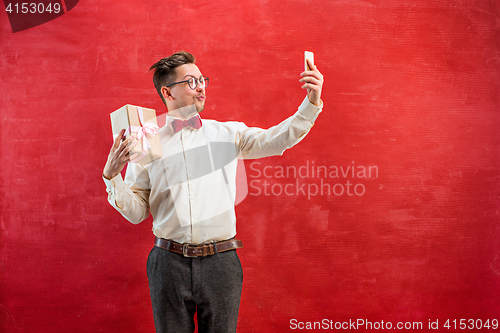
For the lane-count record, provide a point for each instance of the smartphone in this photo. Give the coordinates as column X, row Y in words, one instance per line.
column 308, row 56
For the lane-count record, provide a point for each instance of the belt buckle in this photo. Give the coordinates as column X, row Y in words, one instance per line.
column 185, row 251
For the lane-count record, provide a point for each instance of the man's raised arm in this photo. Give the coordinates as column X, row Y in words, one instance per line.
column 131, row 201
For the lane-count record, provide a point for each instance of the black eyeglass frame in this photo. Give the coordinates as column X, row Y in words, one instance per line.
column 197, row 80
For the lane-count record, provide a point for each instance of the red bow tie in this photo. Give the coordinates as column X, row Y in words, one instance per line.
column 194, row 122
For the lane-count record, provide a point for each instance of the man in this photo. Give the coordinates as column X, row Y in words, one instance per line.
column 190, row 192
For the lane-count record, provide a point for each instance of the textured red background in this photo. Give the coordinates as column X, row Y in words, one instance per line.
column 410, row 87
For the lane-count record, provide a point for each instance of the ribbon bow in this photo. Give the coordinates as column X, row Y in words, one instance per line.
column 145, row 128
column 193, row 122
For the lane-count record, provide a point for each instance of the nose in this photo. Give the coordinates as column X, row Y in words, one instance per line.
column 200, row 87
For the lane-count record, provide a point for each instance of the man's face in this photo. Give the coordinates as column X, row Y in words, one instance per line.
column 183, row 95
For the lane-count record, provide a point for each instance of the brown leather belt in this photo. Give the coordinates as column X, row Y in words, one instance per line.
column 198, row 250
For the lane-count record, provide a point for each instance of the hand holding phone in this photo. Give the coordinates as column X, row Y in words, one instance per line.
column 308, row 56
column 312, row 82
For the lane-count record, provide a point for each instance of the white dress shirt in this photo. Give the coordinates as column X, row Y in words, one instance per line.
column 190, row 191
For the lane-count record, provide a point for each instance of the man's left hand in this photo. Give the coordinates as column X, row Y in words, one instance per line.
column 313, row 82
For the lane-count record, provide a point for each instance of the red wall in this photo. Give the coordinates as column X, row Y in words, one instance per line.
column 411, row 89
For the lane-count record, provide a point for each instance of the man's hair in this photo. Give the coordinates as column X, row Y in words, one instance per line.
column 165, row 72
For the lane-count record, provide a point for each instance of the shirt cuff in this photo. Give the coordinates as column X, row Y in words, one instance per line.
column 309, row 110
column 113, row 183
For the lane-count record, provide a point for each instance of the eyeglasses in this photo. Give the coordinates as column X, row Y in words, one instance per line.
column 193, row 82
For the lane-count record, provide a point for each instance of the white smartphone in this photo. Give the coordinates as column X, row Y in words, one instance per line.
column 308, row 56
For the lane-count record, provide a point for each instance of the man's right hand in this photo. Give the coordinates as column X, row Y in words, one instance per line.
column 118, row 156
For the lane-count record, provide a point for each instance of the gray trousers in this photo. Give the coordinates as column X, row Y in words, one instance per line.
column 180, row 287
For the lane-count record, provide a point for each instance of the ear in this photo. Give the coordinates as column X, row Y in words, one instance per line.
column 166, row 93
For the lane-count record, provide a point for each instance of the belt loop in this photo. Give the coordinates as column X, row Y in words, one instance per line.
column 168, row 245
column 215, row 248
